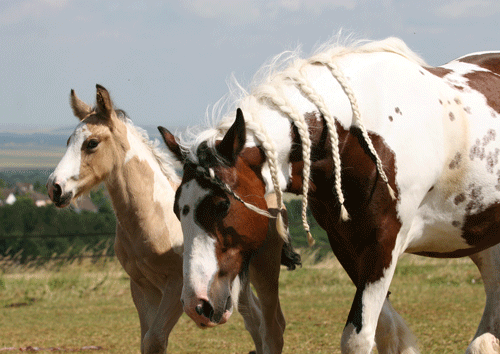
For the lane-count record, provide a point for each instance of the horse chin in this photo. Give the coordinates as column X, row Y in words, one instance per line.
column 64, row 200
column 226, row 316
column 209, row 324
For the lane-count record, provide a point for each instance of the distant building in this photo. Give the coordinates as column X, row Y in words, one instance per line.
column 10, row 195
column 39, row 199
column 23, row 188
column 11, row 199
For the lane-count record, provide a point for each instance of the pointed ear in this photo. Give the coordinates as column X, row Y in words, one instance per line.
column 80, row 108
column 104, row 104
column 172, row 143
column 234, row 140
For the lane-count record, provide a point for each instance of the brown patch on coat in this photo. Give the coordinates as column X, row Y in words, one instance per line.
column 363, row 244
column 487, row 83
column 460, row 198
column 492, row 160
column 438, row 71
column 488, row 61
column 477, row 151
column 480, row 230
column 456, row 161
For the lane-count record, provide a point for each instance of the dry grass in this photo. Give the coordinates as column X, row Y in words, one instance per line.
column 82, row 303
column 30, row 158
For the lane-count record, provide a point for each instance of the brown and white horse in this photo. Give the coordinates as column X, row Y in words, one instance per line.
column 398, row 157
column 107, row 147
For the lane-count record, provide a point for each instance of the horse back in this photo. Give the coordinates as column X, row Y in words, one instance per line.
column 489, row 61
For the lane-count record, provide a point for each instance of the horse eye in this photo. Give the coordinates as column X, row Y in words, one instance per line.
column 222, row 207
column 92, row 144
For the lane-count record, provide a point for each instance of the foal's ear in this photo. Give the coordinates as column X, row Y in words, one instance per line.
column 104, row 104
column 234, row 140
column 172, row 143
column 80, row 108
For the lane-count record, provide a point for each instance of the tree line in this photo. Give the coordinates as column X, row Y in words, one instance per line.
column 28, row 231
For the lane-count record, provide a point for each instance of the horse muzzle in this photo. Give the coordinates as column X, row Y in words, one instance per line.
column 59, row 197
column 206, row 313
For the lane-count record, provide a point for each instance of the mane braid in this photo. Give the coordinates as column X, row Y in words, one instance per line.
column 269, row 92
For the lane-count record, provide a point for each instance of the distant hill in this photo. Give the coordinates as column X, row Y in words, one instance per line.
column 41, row 147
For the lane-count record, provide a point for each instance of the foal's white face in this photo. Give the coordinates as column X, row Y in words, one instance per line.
column 91, row 152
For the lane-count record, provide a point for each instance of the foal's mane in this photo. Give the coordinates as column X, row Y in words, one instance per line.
column 163, row 158
column 286, row 69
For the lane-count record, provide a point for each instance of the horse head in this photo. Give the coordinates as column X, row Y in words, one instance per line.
column 91, row 152
column 222, row 208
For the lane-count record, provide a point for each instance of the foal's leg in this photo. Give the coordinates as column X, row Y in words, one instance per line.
column 486, row 340
column 264, row 274
column 146, row 299
column 249, row 308
column 168, row 313
column 392, row 335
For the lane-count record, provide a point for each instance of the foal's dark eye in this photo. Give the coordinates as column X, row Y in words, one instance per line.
column 92, row 144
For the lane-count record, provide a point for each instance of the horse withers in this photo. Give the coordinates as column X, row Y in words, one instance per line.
column 398, row 157
column 107, row 147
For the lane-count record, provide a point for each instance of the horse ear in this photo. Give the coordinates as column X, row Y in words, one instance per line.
column 172, row 143
column 234, row 140
column 104, row 104
column 80, row 108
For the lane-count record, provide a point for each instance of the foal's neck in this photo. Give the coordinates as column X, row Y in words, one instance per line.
column 141, row 193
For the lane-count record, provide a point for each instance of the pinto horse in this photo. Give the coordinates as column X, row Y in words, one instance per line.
column 398, row 156
column 141, row 181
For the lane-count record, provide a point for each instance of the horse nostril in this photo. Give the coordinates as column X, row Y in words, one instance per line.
column 199, row 309
column 57, row 191
column 205, row 309
column 228, row 303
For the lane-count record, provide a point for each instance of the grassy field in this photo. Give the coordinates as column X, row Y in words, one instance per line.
column 41, row 157
column 72, row 305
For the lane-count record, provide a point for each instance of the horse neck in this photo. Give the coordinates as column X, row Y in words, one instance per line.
column 141, row 193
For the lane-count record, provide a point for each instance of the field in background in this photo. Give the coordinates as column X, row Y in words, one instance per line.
column 77, row 304
column 30, row 158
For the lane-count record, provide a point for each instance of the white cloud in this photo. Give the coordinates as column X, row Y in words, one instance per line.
column 20, row 11
column 468, row 8
column 233, row 11
column 248, row 11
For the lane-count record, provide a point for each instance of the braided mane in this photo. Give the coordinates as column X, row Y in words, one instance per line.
column 288, row 69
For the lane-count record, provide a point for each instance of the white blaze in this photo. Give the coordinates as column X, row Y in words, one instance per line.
column 200, row 262
column 67, row 171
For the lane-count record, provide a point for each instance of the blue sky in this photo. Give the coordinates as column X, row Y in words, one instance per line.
column 165, row 62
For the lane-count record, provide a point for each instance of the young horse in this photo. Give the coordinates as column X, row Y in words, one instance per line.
column 398, row 157
column 107, row 147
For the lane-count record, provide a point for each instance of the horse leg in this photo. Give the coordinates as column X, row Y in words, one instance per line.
column 392, row 335
column 167, row 314
column 249, row 308
column 358, row 336
column 486, row 339
column 264, row 275
column 146, row 307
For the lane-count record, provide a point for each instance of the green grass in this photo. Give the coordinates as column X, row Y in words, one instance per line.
column 78, row 304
